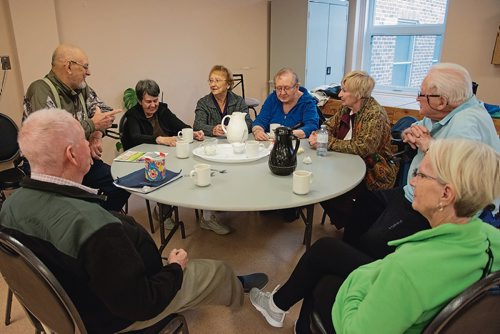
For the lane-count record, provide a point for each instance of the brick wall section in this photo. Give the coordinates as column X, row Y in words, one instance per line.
column 391, row 12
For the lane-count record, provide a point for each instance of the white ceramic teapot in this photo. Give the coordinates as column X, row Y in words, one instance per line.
column 237, row 130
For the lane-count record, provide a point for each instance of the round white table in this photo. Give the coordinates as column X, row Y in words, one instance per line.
column 250, row 186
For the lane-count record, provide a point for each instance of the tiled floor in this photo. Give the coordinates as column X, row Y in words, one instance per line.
column 258, row 243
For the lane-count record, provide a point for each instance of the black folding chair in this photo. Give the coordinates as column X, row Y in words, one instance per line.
column 9, row 152
column 476, row 310
column 45, row 300
column 251, row 102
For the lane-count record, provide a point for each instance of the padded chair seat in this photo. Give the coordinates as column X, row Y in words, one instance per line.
column 9, row 178
column 251, row 102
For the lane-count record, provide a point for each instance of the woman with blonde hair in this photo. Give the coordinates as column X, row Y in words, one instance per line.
column 360, row 127
column 405, row 290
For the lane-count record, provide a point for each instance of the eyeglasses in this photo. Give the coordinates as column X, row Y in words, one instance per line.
column 419, row 95
column 216, row 81
column 422, row 175
column 427, row 95
column 85, row 66
column 285, row 89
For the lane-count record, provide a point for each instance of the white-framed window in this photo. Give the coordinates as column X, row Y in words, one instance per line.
column 402, row 41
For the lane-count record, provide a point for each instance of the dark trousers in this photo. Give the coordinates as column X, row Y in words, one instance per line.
column 339, row 209
column 317, row 278
column 379, row 217
column 99, row 177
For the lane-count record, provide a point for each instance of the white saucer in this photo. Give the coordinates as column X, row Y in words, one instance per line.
column 226, row 154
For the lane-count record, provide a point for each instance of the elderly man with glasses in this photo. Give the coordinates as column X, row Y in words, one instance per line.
column 450, row 110
column 64, row 87
column 289, row 105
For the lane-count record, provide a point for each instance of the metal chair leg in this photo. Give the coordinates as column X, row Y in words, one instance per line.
column 323, row 218
column 177, row 224
column 150, row 217
column 198, row 213
column 8, row 307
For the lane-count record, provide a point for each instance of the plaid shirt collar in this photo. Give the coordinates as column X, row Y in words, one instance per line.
column 62, row 182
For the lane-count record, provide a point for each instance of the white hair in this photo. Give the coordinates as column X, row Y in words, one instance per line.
column 44, row 137
column 451, row 81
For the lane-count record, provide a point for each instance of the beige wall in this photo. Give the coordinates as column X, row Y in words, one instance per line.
column 11, row 99
column 173, row 42
column 288, row 37
column 34, row 50
column 471, row 31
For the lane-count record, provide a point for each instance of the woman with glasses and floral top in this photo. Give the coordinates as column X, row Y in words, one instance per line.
column 289, row 105
column 221, row 101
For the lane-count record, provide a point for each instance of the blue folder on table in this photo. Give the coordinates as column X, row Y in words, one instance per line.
column 136, row 181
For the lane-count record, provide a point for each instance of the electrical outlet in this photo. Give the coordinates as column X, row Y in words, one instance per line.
column 5, row 60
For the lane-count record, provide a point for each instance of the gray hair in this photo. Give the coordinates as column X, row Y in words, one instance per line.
column 287, row 70
column 146, row 86
column 44, row 136
column 451, row 81
column 456, row 162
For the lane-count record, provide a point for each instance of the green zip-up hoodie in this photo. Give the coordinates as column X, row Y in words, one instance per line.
column 404, row 291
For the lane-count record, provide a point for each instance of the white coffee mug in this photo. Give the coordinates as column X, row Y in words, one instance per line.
column 210, row 146
column 182, row 149
column 302, row 180
column 273, row 127
column 186, row 134
column 201, row 175
column 238, row 148
column 253, row 147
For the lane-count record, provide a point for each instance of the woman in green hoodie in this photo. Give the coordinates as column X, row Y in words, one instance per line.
column 404, row 291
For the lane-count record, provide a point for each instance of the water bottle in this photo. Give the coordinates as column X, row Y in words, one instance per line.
column 322, row 140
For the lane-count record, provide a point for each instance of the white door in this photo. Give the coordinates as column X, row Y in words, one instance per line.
column 337, row 39
column 326, row 43
column 317, row 37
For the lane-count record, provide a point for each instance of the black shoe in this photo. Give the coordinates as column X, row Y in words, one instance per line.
column 256, row 280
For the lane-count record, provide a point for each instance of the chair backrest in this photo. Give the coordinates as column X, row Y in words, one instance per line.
column 476, row 310
column 238, row 81
column 402, row 124
column 404, row 153
column 9, row 149
column 122, row 129
column 36, row 288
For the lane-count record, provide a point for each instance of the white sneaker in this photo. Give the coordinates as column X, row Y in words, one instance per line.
column 169, row 223
column 262, row 302
column 213, row 225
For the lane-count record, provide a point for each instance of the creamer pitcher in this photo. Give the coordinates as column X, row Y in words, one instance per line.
column 237, row 130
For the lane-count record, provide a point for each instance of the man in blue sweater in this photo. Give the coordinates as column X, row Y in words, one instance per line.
column 289, row 105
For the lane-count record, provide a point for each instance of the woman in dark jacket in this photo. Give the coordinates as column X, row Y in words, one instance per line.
column 151, row 121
